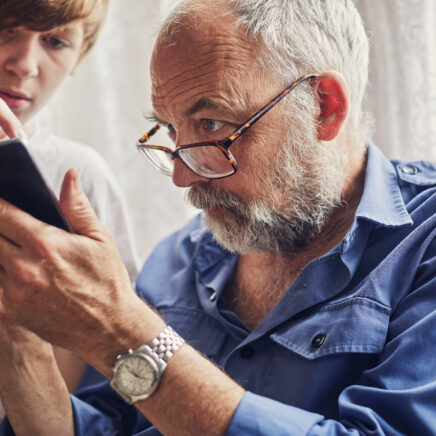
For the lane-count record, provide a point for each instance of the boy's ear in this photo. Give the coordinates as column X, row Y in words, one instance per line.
column 333, row 100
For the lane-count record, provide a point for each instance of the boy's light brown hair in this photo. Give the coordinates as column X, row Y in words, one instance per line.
column 43, row 15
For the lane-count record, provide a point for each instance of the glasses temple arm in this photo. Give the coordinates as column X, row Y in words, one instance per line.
column 143, row 139
column 259, row 114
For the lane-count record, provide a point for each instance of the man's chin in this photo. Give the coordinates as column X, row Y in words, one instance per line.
column 216, row 212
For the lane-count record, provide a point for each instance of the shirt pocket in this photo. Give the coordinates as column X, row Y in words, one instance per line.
column 355, row 325
column 201, row 331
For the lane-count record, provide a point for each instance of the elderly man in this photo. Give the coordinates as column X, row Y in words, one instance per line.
column 305, row 292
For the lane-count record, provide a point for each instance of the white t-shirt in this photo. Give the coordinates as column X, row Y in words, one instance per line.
column 57, row 155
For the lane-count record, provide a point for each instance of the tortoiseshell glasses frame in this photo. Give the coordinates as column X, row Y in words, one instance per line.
column 212, row 159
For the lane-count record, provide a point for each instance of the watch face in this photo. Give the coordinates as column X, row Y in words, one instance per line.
column 136, row 375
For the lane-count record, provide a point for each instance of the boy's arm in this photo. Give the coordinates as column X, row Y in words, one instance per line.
column 34, row 395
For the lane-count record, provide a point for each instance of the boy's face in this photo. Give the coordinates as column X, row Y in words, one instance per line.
column 33, row 64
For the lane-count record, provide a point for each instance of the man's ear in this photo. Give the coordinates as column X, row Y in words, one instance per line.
column 333, row 100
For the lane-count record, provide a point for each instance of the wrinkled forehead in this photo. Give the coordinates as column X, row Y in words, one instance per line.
column 206, row 49
column 206, row 42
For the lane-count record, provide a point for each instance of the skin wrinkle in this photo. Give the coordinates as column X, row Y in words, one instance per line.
column 236, row 59
column 232, row 100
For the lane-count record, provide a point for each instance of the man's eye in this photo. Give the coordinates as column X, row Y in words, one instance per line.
column 54, row 42
column 212, row 125
column 171, row 129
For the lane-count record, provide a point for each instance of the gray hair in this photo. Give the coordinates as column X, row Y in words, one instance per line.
column 301, row 37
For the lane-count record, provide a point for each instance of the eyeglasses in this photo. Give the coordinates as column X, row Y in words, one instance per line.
column 212, row 160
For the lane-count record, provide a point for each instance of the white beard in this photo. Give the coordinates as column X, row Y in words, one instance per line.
column 308, row 178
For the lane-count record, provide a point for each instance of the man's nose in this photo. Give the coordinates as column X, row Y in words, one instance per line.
column 23, row 61
column 183, row 177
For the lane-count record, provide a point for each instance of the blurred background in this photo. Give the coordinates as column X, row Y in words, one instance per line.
column 104, row 103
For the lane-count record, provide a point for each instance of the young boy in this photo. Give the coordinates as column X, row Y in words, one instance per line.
column 41, row 44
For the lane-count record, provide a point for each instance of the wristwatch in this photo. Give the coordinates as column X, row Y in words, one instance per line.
column 137, row 373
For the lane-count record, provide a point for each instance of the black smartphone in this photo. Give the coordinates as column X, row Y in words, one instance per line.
column 22, row 183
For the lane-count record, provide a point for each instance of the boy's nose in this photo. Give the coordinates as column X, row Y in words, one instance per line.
column 23, row 61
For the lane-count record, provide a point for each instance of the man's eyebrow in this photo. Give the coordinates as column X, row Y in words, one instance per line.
column 153, row 118
column 205, row 103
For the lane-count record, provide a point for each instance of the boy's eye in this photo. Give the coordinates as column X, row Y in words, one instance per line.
column 212, row 125
column 54, row 42
column 7, row 34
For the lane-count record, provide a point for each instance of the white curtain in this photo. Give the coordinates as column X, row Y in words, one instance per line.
column 402, row 91
column 103, row 104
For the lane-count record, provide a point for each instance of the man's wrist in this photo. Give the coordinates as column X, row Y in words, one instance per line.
column 137, row 374
column 137, row 324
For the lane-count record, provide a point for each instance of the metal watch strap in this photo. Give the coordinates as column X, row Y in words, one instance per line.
column 166, row 343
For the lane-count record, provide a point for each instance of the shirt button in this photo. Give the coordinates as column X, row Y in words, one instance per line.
column 247, row 352
column 409, row 169
column 318, row 340
column 213, row 297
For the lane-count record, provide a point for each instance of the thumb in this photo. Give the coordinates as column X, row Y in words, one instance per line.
column 77, row 209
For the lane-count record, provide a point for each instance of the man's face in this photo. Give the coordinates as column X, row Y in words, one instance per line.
column 33, row 65
column 205, row 86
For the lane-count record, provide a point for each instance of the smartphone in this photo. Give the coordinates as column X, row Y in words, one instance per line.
column 22, row 183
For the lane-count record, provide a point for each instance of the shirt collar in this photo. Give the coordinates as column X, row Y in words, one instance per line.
column 382, row 201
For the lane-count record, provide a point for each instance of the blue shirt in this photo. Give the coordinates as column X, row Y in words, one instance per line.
column 350, row 347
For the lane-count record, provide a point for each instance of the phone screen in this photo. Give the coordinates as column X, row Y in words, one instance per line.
column 22, row 184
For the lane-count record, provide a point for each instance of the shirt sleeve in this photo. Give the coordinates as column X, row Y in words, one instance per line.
column 258, row 415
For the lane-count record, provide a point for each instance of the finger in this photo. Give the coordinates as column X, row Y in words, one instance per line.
column 3, row 135
column 77, row 209
column 9, row 122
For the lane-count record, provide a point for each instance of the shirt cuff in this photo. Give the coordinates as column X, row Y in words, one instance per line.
column 261, row 416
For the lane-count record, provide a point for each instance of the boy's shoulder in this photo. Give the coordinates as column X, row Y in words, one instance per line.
column 56, row 155
column 48, row 145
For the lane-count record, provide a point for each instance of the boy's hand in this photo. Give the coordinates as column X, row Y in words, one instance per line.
column 10, row 126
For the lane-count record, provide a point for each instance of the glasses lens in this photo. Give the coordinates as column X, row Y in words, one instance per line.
column 207, row 161
column 159, row 159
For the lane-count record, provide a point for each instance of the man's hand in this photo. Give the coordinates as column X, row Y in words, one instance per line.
column 68, row 288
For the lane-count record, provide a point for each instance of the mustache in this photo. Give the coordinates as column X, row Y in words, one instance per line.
column 207, row 197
